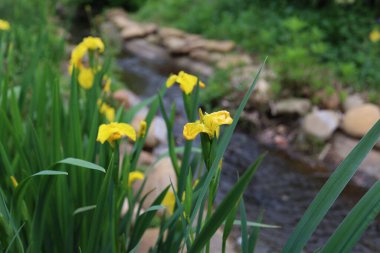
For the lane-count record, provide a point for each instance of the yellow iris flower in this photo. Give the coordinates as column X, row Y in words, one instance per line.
column 186, row 82
column 77, row 56
column 207, row 123
column 374, row 36
column 142, row 130
column 115, row 131
column 107, row 84
column 93, row 43
column 106, row 110
column 133, row 176
column 86, row 78
column 169, row 201
column 4, row 25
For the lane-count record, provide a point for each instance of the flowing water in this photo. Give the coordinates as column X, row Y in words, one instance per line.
column 282, row 188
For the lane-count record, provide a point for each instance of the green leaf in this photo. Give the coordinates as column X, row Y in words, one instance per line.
column 84, row 209
column 50, row 173
column 226, row 206
column 330, row 192
column 355, row 223
column 82, row 163
column 256, row 224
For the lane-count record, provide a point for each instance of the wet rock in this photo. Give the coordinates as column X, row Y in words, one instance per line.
column 352, row 102
column 158, row 178
column 194, row 67
column 148, row 51
column 148, row 240
column 234, row 60
column 321, row 124
column 126, row 98
column 298, row 106
column 357, row 121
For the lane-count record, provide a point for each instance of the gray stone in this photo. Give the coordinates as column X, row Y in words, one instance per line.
column 358, row 121
column 194, row 67
column 291, row 106
column 148, row 51
column 369, row 169
column 321, row 124
column 352, row 102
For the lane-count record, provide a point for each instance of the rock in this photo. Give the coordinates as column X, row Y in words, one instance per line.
column 145, row 159
column 328, row 100
column 357, row 121
column 234, row 60
column 126, row 98
column 157, row 179
column 214, row 45
column 108, row 30
column 194, row 67
column 136, row 30
column 321, row 124
column 165, row 32
column 148, row 51
column 298, row 106
column 153, row 39
column 175, row 44
column 352, row 102
column 157, row 131
column 148, row 240
column 216, row 243
column 201, row 55
column 369, row 170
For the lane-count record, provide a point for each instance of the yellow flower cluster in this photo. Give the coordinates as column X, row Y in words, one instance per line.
column 186, row 82
column 207, row 123
column 86, row 73
column 4, row 25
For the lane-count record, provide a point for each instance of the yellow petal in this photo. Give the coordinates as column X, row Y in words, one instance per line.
column 171, row 80
column 14, row 181
column 114, row 131
column 186, row 82
column 86, row 78
column 93, row 43
column 191, row 130
column 142, row 130
column 213, row 121
column 133, row 176
column 169, row 201
column 77, row 55
column 4, row 25
column 107, row 85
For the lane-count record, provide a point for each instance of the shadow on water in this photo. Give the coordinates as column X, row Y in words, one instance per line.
column 281, row 187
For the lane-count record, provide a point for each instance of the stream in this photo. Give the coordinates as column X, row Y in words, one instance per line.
column 282, row 188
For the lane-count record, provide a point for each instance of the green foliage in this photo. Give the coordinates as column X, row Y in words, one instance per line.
column 308, row 45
